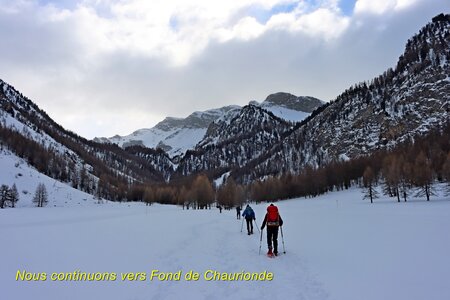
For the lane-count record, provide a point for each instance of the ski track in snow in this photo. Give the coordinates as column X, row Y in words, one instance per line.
column 140, row 239
column 337, row 247
column 230, row 250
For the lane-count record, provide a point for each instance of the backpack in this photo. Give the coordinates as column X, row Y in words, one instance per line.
column 249, row 213
column 272, row 216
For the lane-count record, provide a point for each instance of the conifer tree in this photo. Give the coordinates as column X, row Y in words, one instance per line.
column 182, row 198
column 227, row 194
column 423, row 176
column 369, row 180
column 203, row 192
column 405, row 177
column 40, row 196
column 4, row 195
column 391, row 174
column 14, row 195
column 446, row 172
column 149, row 195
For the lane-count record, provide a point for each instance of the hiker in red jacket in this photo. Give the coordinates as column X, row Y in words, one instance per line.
column 273, row 221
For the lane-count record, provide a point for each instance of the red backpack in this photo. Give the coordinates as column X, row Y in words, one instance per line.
column 272, row 216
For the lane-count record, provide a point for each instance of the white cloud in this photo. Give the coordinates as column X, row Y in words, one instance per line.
column 102, row 67
column 247, row 28
column 323, row 23
column 382, row 6
column 175, row 30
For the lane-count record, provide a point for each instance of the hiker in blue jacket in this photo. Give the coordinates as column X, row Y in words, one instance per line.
column 249, row 216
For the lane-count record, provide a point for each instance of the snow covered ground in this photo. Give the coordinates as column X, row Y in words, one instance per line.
column 338, row 247
column 14, row 170
column 286, row 113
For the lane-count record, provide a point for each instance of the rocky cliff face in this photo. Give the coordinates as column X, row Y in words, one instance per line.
column 303, row 103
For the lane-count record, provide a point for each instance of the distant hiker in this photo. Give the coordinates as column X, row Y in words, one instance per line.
column 220, row 208
column 273, row 221
column 249, row 216
column 238, row 212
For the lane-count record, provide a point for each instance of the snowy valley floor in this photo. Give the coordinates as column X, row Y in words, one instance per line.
column 338, row 247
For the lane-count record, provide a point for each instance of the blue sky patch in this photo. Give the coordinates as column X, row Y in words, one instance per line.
column 67, row 4
column 347, row 6
column 263, row 15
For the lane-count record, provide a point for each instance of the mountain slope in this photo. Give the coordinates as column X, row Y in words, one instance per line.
column 102, row 169
column 15, row 170
column 397, row 105
column 232, row 143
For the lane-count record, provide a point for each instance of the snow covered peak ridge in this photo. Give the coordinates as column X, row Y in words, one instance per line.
column 173, row 135
column 247, row 120
column 289, row 107
column 232, row 142
column 198, row 119
column 177, row 135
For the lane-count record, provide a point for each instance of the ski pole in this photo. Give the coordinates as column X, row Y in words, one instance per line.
column 242, row 224
column 256, row 224
column 282, row 239
column 260, row 242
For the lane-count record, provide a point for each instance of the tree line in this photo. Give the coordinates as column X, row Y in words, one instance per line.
column 410, row 169
column 9, row 196
column 193, row 192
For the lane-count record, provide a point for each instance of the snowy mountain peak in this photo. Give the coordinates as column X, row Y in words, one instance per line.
column 289, row 101
column 173, row 135
column 177, row 135
column 248, row 119
column 289, row 107
column 231, row 143
column 198, row 119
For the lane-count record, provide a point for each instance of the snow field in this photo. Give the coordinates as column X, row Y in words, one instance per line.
column 338, row 247
column 136, row 238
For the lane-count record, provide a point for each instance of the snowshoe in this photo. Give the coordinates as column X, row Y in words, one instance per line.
column 270, row 253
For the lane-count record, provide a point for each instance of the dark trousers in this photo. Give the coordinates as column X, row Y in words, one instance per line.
column 238, row 213
column 272, row 236
column 249, row 225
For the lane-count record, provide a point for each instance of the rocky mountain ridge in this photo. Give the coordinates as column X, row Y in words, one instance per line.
column 178, row 135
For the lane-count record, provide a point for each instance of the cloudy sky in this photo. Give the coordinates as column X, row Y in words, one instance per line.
column 105, row 67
